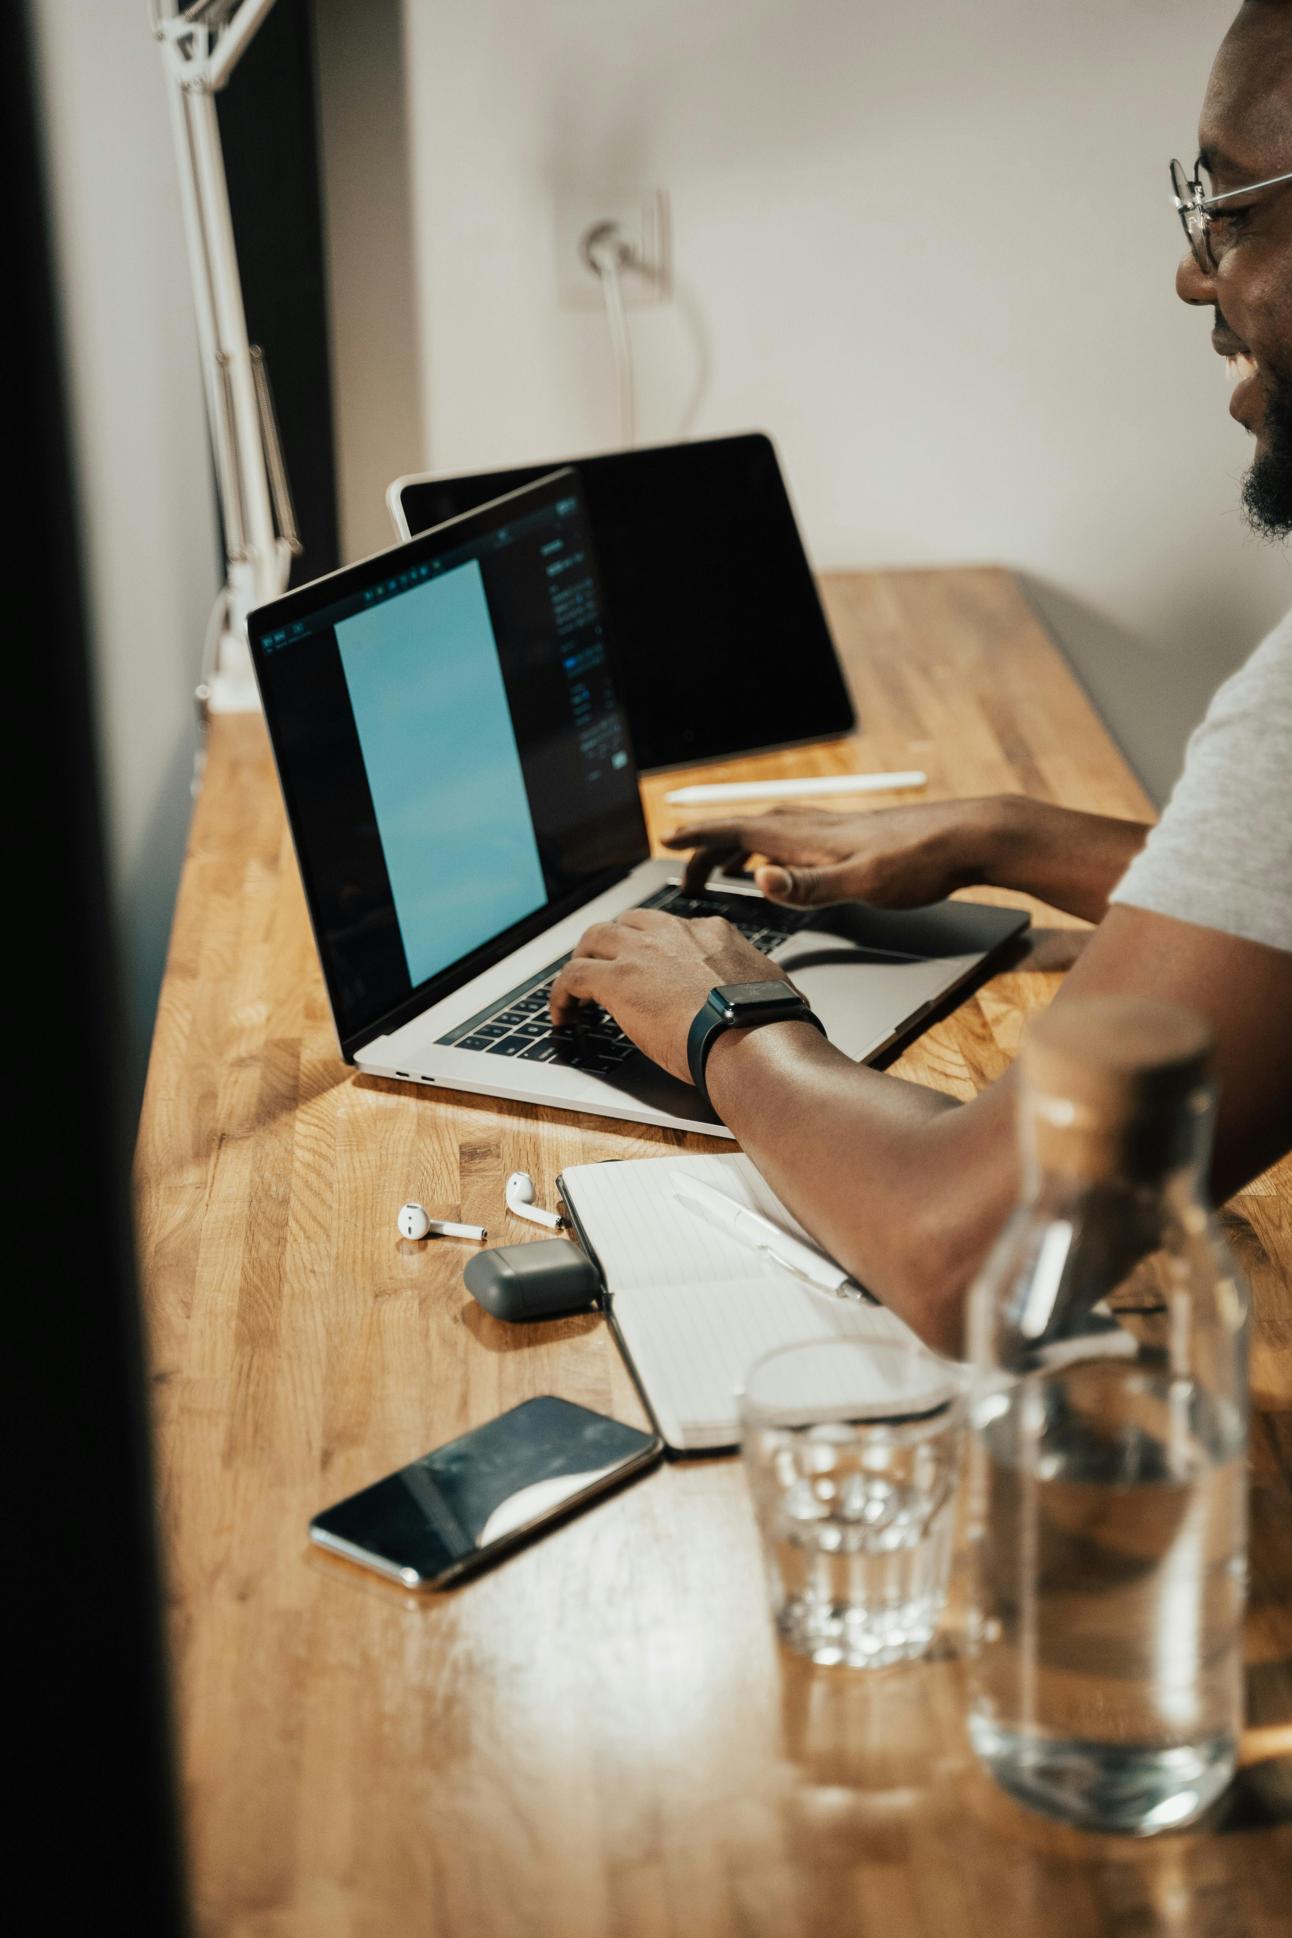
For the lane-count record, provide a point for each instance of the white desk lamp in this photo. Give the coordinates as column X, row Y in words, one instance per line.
column 201, row 45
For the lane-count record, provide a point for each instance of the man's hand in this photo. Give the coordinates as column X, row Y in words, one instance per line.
column 909, row 856
column 652, row 972
column 893, row 857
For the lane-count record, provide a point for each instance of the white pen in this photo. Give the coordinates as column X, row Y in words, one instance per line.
column 772, row 1240
column 792, row 790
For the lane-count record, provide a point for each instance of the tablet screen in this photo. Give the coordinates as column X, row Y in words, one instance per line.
column 722, row 646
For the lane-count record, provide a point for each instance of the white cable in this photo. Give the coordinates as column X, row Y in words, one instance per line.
column 607, row 253
column 613, row 290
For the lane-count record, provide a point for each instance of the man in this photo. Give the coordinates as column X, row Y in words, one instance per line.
column 904, row 1186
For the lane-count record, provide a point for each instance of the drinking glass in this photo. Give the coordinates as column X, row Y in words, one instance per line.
column 852, row 1451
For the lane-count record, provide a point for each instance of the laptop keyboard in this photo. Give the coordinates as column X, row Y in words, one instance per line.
column 519, row 1025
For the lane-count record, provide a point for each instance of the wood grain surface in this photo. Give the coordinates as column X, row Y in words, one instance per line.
column 599, row 1738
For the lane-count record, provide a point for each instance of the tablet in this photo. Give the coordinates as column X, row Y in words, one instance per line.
column 722, row 645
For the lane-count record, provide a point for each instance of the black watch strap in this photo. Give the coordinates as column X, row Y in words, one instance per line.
column 741, row 1006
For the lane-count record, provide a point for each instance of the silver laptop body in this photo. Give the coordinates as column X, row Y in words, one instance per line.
column 402, row 697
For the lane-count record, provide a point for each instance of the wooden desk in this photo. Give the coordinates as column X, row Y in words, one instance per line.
column 598, row 1739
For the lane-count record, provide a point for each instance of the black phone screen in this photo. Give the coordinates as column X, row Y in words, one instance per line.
column 436, row 1517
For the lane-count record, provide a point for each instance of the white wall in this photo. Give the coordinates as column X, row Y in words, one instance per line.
column 146, row 508
column 928, row 247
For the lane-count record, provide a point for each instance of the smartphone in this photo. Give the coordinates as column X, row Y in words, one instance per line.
column 457, row 1508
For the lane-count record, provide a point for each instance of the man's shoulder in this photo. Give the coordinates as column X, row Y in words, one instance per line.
column 1274, row 654
column 1221, row 856
column 1262, row 686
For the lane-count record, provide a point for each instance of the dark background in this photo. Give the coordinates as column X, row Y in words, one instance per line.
column 269, row 131
column 95, row 1755
column 97, row 1820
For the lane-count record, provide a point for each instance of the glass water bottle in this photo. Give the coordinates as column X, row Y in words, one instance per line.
column 1108, row 1342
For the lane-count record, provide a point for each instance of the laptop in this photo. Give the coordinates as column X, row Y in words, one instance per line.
column 454, row 757
column 705, row 577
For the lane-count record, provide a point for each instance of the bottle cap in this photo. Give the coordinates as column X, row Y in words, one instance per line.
column 1100, row 1067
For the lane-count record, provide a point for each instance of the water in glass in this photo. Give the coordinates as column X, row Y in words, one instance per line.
column 857, row 1517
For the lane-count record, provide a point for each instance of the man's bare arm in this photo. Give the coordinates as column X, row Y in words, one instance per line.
column 901, row 1184
column 906, row 857
column 904, row 1186
column 1069, row 859
column 909, row 1190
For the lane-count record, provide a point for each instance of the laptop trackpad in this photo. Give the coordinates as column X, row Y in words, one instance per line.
column 865, row 995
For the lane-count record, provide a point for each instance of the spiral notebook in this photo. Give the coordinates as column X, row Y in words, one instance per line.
column 693, row 1308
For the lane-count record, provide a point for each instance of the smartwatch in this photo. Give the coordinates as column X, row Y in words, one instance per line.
column 742, row 1006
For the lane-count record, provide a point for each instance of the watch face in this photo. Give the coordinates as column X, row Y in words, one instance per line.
column 759, row 995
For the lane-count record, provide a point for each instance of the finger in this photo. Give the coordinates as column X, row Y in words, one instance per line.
column 780, row 824
column 707, row 834
column 582, row 980
column 804, row 887
column 784, row 835
column 695, row 876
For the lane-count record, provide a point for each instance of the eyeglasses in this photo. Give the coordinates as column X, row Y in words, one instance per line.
column 1195, row 206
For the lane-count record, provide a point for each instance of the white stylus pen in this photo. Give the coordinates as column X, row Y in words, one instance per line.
column 773, row 1241
column 795, row 789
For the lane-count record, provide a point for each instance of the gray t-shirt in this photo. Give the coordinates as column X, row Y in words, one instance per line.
column 1221, row 856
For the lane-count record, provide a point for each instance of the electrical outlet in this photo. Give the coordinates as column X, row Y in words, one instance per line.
column 641, row 217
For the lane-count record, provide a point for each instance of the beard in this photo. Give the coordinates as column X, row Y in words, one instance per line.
column 1267, row 488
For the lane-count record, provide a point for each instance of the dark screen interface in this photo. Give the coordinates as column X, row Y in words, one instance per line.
column 452, row 750
column 709, row 590
column 487, row 1485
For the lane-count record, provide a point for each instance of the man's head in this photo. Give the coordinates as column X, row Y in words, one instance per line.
column 1245, row 136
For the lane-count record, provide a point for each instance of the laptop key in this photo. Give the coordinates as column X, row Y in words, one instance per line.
column 534, row 1028
column 507, row 1046
column 577, row 1052
column 540, row 1052
column 476, row 1042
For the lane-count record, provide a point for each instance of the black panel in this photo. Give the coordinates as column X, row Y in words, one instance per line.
column 722, row 644
column 268, row 130
column 95, row 1831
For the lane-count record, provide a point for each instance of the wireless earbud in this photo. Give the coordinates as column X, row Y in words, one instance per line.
column 415, row 1222
column 520, row 1199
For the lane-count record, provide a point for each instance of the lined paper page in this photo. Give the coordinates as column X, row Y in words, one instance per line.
column 694, row 1306
column 644, row 1237
column 692, row 1346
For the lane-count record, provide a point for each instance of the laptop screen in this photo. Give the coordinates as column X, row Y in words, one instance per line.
column 452, row 750
column 709, row 589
